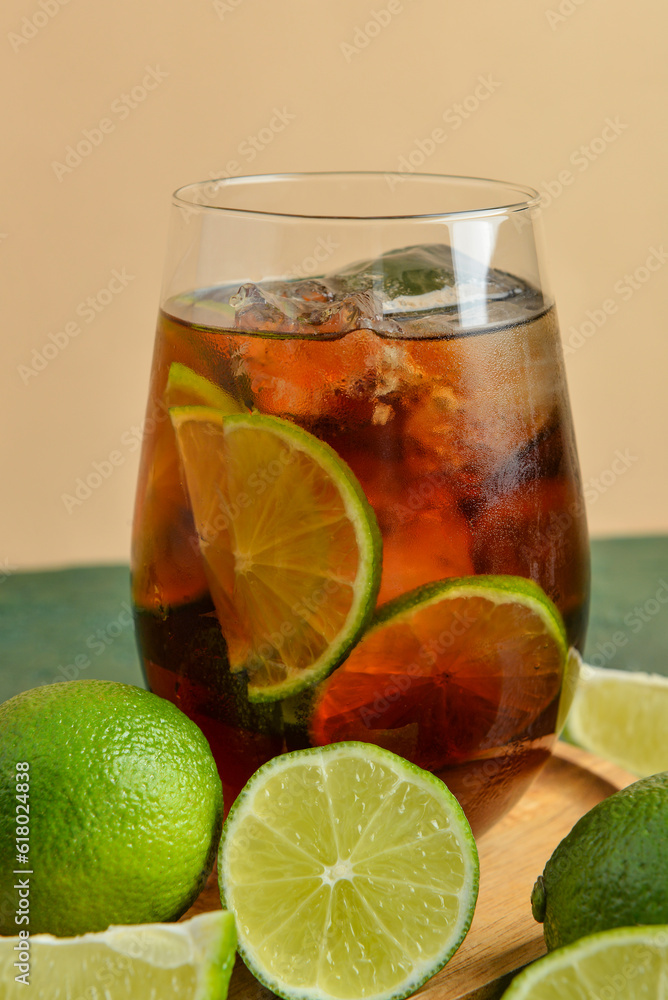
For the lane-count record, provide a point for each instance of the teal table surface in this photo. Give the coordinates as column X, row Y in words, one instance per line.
column 76, row 623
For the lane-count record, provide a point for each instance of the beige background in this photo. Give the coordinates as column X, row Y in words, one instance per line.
column 556, row 71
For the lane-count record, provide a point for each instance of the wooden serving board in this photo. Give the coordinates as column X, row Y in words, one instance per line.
column 503, row 936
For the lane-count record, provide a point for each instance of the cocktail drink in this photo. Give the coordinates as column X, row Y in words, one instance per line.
column 359, row 513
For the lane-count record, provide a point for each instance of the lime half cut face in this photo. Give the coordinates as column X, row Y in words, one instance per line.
column 291, row 546
column 351, row 874
column 627, row 963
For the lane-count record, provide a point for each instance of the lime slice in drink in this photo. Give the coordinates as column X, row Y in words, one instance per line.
column 186, row 388
column 192, row 960
column 448, row 671
column 291, row 545
column 351, row 873
column 625, row 963
column 168, row 569
column 622, row 716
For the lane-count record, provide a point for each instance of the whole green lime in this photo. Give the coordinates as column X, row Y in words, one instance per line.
column 110, row 809
column 611, row 870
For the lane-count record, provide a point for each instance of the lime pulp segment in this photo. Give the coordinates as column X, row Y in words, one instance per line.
column 351, row 874
column 290, row 543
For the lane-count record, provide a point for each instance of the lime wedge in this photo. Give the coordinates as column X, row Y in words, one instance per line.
column 448, row 671
column 291, row 545
column 572, row 673
column 351, row 874
column 186, row 388
column 192, row 960
column 626, row 963
column 622, row 716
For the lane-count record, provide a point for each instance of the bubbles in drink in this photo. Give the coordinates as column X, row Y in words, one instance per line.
column 488, row 398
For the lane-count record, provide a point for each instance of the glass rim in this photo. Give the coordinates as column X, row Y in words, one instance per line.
column 531, row 199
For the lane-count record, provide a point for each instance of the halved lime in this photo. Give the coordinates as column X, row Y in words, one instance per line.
column 186, row 388
column 192, row 960
column 449, row 671
column 291, row 545
column 622, row 716
column 351, row 874
column 625, row 964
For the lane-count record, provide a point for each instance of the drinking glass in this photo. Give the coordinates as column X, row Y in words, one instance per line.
column 340, row 358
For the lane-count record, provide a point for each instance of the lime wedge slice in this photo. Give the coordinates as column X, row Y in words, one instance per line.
column 168, row 569
column 569, row 687
column 622, row 716
column 192, row 960
column 186, row 388
column 625, row 963
column 291, row 545
column 449, row 671
column 351, row 874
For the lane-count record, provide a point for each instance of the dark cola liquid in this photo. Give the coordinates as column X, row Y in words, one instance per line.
column 464, row 447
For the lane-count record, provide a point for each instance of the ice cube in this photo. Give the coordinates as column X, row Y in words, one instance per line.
column 406, row 292
column 307, row 307
column 313, row 377
column 419, row 279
